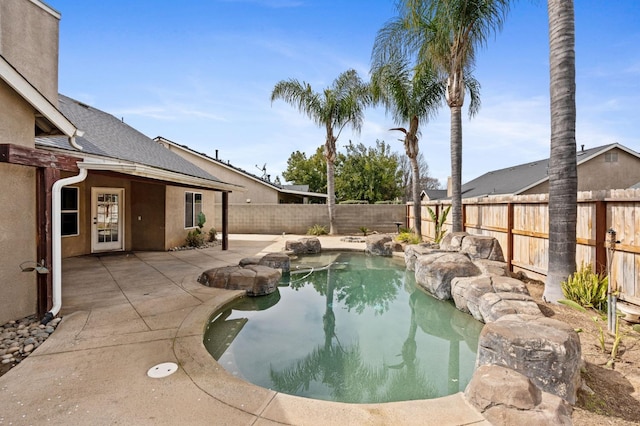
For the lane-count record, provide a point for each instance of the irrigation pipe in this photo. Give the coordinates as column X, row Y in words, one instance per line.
column 612, row 289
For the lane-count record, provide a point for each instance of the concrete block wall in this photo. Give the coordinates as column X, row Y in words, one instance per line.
column 298, row 218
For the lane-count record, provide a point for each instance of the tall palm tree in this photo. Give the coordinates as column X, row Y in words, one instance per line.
column 413, row 98
column 446, row 33
column 340, row 104
column 563, row 175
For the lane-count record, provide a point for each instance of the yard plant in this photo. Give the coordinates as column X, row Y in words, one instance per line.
column 587, row 288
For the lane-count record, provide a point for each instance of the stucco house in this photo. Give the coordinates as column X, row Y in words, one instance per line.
column 75, row 180
column 258, row 190
column 612, row 166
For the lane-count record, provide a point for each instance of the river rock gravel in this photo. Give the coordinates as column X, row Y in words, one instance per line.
column 20, row 338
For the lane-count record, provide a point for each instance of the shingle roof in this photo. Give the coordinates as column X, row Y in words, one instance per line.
column 107, row 136
column 435, row 194
column 516, row 179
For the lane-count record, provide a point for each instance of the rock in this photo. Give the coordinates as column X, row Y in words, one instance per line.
column 435, row 271
column 466, row 293
column 256, row 280
column 306, row 245
column 249, row 261
column 277, row 261
column 377, row 244
column 452, row 241
column 493, row 306
column 492, row 267
column 482, row 247
column 413, row 251
column 27, row 348
column 545, row 350
column 395, row 246
column 506, row 397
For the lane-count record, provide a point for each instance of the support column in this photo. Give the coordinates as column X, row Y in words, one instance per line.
column 45, row 177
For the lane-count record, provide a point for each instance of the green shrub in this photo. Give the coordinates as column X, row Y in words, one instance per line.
column 439, row 221
column 354, row 202
column 213, row 234
column 408, row 237
column 388, row 202
column 364, row 230
column 587, row 288
column 404, row 230
column 195, row 238
column 317, row 230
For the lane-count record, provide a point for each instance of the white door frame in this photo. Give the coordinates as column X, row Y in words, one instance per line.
column 102, row 239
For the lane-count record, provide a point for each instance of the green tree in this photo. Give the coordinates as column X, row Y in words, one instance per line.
column 563, row 177
column 369, row 174
column 412, row 97
column 310, row 171
column 341, row 104
column 444, row 35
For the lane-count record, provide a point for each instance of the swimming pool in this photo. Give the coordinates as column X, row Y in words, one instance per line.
column 347, row 327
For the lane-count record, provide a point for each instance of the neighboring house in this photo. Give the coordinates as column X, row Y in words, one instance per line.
column 69, row 169
column 257, row 190
column 612, row 166
column 433, row 194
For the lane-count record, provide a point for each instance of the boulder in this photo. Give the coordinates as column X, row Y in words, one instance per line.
column 306, row 245
column 256, row 280
column 413, row 251
column 493, row 306
column 277, row 261
column 452, row 241
column 492, row 267
column 482, row 247
column 545, row 350
column 435, row 271
column 506, row 397
column 466, row 293
column 379, row 245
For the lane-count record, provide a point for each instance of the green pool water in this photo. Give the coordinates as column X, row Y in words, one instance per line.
column 347, row 327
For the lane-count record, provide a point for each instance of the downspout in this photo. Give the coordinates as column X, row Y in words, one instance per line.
column 56, row 250
column 72, row 139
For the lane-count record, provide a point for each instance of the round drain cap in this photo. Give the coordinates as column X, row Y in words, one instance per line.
column 162, row 370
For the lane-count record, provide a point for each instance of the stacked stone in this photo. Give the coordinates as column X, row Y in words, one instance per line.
column 19, row 338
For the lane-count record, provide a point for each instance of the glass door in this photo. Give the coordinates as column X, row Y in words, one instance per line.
column 107, row 213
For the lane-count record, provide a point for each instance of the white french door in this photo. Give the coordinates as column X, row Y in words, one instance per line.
column 107, row 213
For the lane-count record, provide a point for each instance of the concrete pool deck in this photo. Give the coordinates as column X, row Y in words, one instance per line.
column 125, row 313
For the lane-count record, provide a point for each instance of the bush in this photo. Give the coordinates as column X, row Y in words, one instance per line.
column 317, row 230
column 388, row 202
column 587, row 288
column 195, row 238
column 364, row 230
column 408, row 237
column 213, row 235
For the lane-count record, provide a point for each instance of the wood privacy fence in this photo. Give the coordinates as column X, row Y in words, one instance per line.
column 521, row 225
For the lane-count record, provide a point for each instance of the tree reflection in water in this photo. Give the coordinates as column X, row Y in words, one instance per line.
column 345, row 370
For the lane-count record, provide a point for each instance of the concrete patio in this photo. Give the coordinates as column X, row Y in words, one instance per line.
column 125, row 313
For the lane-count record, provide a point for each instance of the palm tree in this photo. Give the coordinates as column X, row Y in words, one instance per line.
column 411, row 97
column 563, row 176
column 338, row 105
column 445, row 34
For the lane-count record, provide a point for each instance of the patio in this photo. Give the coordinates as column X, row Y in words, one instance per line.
column 128, row 312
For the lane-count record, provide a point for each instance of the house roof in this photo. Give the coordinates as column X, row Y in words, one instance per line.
column 49, row 119
column 109, row 138
column 434, row 194
column 517, row 179
column 302, row 190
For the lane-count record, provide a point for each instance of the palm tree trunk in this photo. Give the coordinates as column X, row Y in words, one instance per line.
column 415, row 186
column 331, row 196
column 456, row 168
column 563, row 176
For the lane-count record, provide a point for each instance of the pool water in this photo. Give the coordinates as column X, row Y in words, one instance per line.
column 347, row 327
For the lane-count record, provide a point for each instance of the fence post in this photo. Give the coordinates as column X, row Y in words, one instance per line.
column 601, row 237
column 509, row 236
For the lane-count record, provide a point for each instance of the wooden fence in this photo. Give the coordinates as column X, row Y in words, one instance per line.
column 521, row 225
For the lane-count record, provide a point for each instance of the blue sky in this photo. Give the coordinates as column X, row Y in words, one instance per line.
column 200, row 73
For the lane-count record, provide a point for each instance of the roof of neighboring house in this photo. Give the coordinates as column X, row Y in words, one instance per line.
column 302, row 190
column 434, row 194
column 517, row 179
column 49, row 119
column 636, row 186
column 109, row 137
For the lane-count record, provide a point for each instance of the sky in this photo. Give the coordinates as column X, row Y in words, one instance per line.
column 200, row 73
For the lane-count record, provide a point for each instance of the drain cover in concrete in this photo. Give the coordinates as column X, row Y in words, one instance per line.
column 162, row 370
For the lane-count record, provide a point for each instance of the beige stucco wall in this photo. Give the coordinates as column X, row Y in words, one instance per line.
column 257, row 192
column 18, row 291
column 29, row 41
column 17, row 122
column 597, row 174
column 175, row 232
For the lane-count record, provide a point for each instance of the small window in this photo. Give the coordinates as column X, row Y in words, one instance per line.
column 610, row 157
column 192, row 208
column 69, row 211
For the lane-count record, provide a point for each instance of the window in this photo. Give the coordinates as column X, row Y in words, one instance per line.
column 192, row 208
column 69, row 210
column 610, row 157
